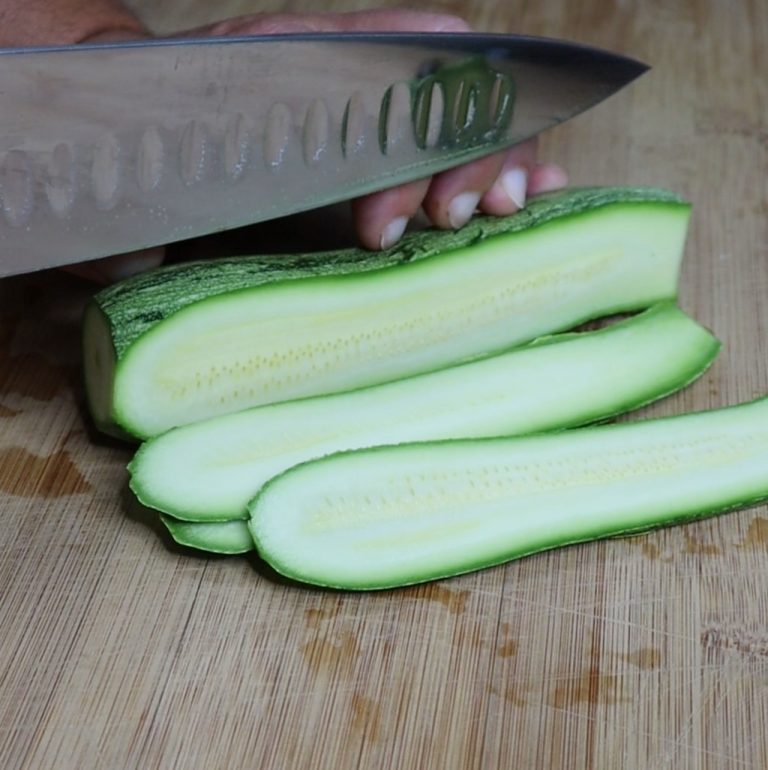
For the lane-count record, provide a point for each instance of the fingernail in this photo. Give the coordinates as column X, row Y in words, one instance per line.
column 515, row 184
column 461, row 209
column 393, row 232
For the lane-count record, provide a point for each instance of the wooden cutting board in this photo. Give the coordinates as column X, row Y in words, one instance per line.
column 118, row 650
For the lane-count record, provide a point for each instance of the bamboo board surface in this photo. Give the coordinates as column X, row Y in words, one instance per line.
column 120, row 651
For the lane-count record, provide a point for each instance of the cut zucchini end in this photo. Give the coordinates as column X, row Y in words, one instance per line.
column 99, row 362
column 159, row 478
column 227, row 538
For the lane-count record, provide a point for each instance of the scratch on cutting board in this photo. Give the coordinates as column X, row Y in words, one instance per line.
column 730, row 122
column 514, row 692
column 749, row 645
column 738, row 640
column 668, row 759
column 573, row 611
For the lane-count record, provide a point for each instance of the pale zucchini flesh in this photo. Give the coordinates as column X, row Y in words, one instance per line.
column 193, row 342
column 209, row 471
column 391, row 516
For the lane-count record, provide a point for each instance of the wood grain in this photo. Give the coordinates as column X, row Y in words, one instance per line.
column 118, row 650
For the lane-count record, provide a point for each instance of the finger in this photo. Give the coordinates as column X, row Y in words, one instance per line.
column 394, row 20
column 511, row 188
column 545, row 177
column 383, row 20
column 381, row 218
column 454, row 195
column 518, row 180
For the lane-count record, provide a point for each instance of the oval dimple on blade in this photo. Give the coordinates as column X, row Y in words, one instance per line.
column 150, row 163
column 463, row 111
column 60, row 185
column 435, row 116
column 277, row 134
column 421, row 110
column 500, row 100
column 316, row 132
column 353, row 130
column 193, row 152
column 236, row 145
column 17, row 188
column 433, row 101
column 470, row 107
column 458, row 107
column 106, row 171
column 395, row 117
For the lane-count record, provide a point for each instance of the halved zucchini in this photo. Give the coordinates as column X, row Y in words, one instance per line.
column 390, row 516
column 192, row 341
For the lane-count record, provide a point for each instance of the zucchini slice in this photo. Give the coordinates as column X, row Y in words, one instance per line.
column 224, row 537
column 209, row 470
column 193, row 341
column 390, row 516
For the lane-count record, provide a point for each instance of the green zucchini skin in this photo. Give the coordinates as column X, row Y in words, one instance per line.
column 391, row 516
column 154, row 356
column 226, row 537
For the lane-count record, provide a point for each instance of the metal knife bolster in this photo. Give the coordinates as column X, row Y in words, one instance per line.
column 107, row 149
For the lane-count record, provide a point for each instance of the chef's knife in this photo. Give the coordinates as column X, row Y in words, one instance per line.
column 111, row 148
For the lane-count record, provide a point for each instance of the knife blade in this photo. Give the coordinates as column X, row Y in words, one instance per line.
column 111, row 148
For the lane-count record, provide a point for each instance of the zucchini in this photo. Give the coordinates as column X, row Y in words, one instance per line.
column 224, row 537
column 192, row 341
column 209, row 470
column 390, row 516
